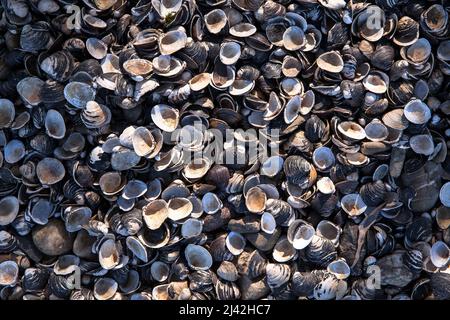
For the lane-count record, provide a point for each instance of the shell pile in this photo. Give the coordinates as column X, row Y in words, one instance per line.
column 98, row 201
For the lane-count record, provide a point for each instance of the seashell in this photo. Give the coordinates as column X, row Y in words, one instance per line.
column 252, row 264
column 326, row 185
column 376, row 82
column 215, row 21
column 191, row 228
column 407, row 32
column 374, row 193
column 339, row 268
column 326, row 289
column 422, row 144
column 8, row 242
column 7, row 113
column 229, row 52
column 417, row 112
column 395, row 119
column 50, row 171
column 283, row 251
column 14, row 151
column 300, row 234
column 211, row 203
column 227, row 271
column 159, row 271
column 330, row 61
column 255, row 200
column 35, row 37
column 179, row 208
column 165, row 117
column 320, row 251
column 155, row 213
column 353, row 204
column 137, row 248
column 293, row 38
column 197, row 257
column 78, row 94
column 9, row 272
column 235, row 243
column 96, row 48
column 376, row 131
column 323, row 159
column 440, row 254
column 328, row 230
column 444, row 194
column 242, row 30
column 58, row 66
column 77, row 218
column 54, row 124
column 201, row 281
column 52, row 239
column 268, row 223
column 299, row 171
column 35, row 279
column 138, row 68
column 105, row 289
column 29, row 89
column 200, row 81
column 108, row 255
column 277, row 274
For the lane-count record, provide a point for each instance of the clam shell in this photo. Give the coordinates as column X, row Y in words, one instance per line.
column 339, row 268
column 227, row 271
column 50, row 171
column 215, row 20
column 165, row 117
column 353, row 204
column 440, row 254
column 9, row 273
column 29, row 90
column 179, row 208
column 293, row 38
column 14, row 151
column 7, row 113
column 108, row 254
column 376, row 131
column 78, row 94
column 300, row 234
column 235, row 243
column 323, row 159
column 328, row 230
column 417, row 112
column 422, row 144
column 197, row 257
column 54, row 124
column 255, row 200
column 283, row 251
column 105, row 288
column 277, row 274
column 137, row 248
column 191, row 228
column 159, row 271
column 268, row 223
column 330, row 61
column 230, row 53
column 96, row 48
column 444, row 194
column 155, row 213
column 211, row 203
